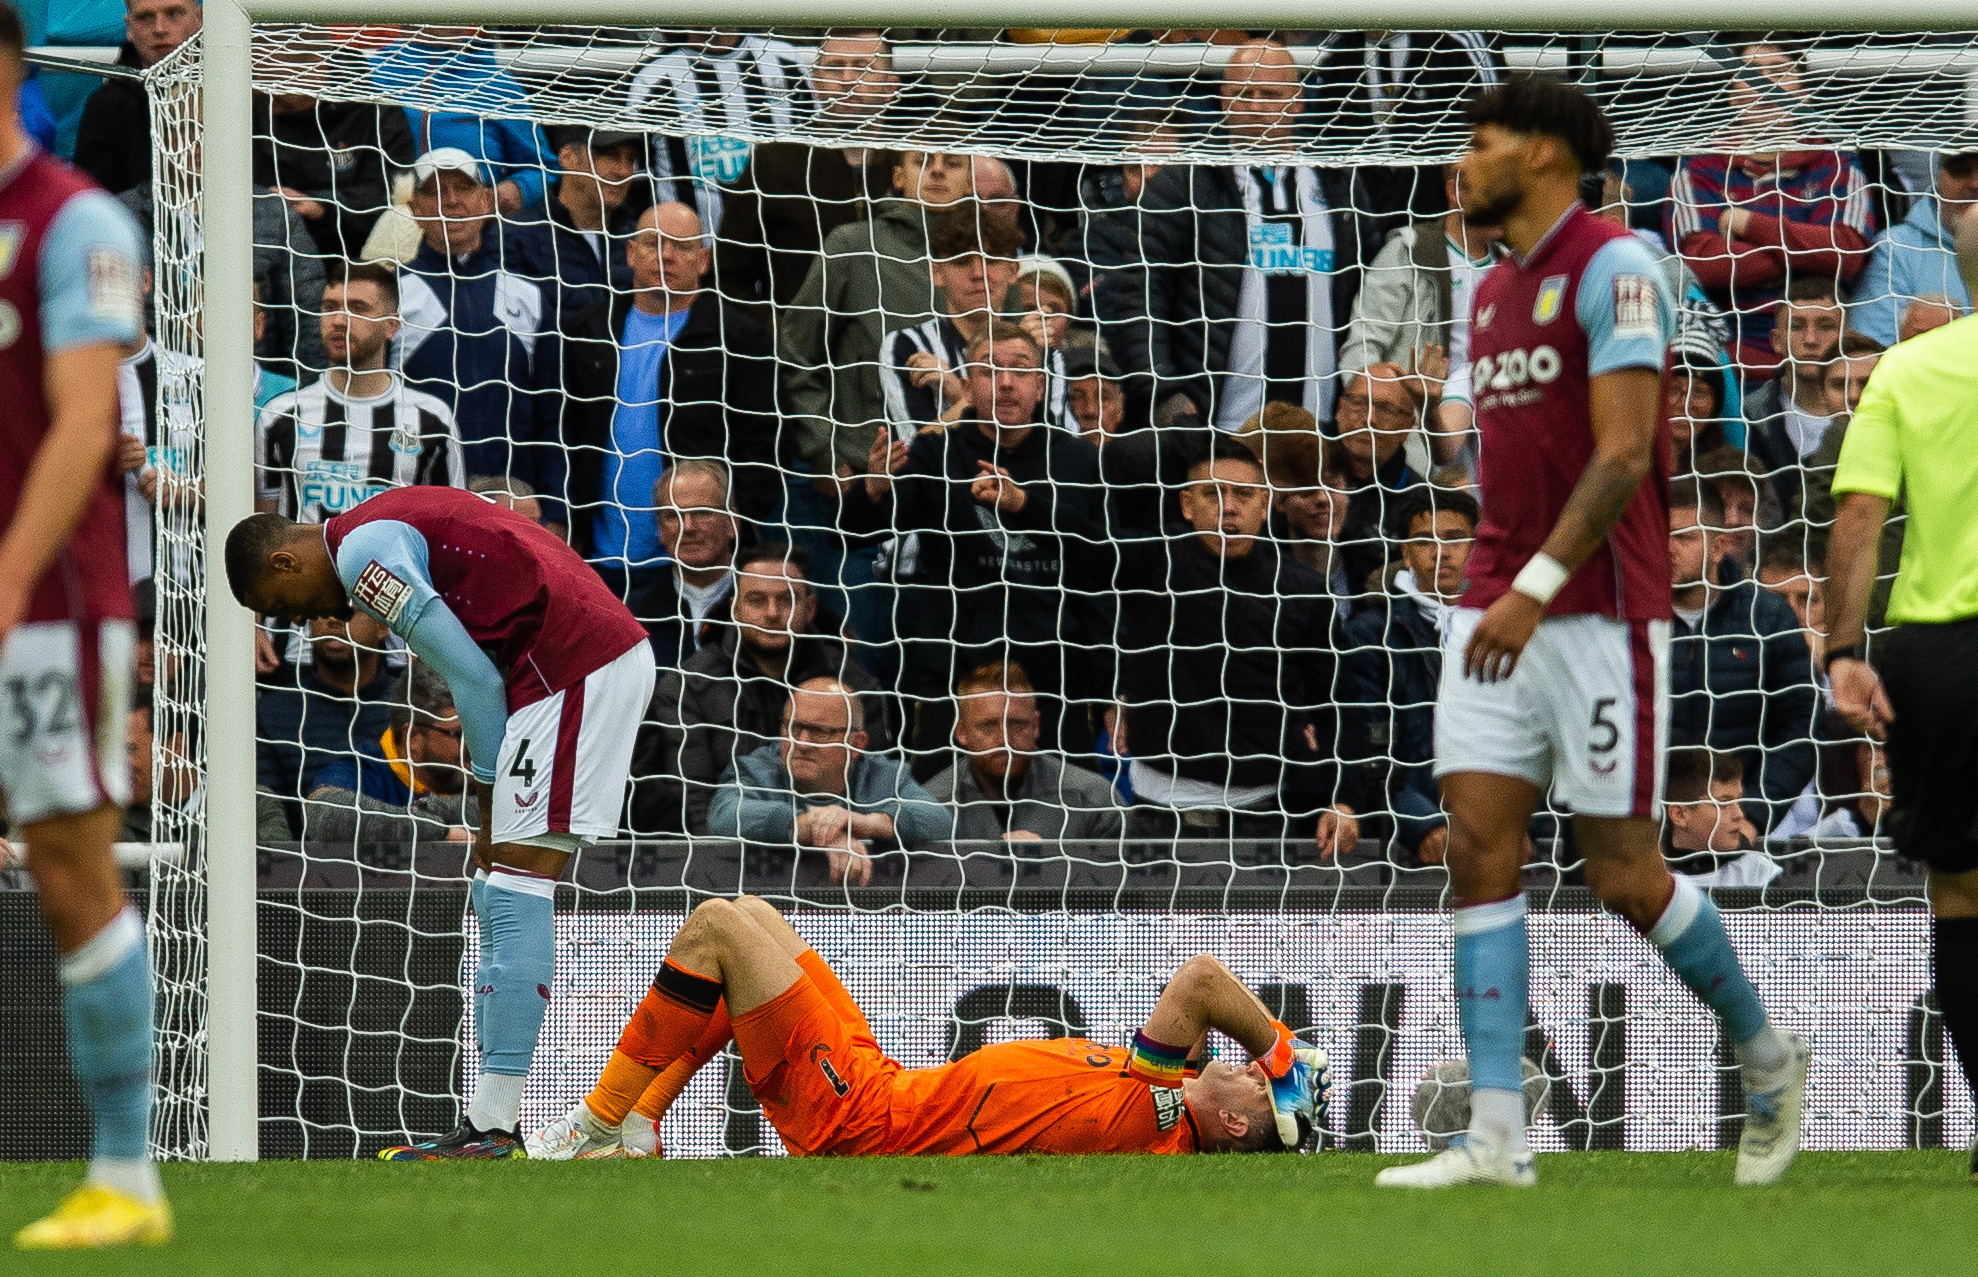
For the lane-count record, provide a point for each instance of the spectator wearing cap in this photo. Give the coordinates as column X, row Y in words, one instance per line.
column 113, row 138
column 1392, row 665
column 1004, row 786
column 333, row 162
column 716, row 90
column 475, row 327
column 995, row 497
column 1917, row 257
column 665, row 372
column 463, row 100
column 1788, row 416
column 1242, row 275
column 792, row 194
column 588, row 215
column 726, row 701
column 1043, row 300
column 1693, row 404
column 1753, row 222
column 1740, row 673
column 1095, row 392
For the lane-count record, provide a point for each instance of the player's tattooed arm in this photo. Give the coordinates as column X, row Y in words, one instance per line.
column 1625, row 406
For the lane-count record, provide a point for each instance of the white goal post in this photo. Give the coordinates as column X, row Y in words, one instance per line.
column 231, row 1036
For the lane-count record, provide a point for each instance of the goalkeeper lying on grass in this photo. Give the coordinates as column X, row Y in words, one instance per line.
column 811, row 1059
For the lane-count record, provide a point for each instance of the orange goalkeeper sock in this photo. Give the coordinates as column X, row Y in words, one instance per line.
column 671, row 1017
column 619, row 1087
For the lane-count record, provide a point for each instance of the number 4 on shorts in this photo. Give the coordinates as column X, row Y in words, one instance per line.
column 524, row 766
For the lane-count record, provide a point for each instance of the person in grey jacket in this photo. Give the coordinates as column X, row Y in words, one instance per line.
column 289, row 270
column 871, row 280
column 1002, row 787
column 818, row 789
column 727, row 700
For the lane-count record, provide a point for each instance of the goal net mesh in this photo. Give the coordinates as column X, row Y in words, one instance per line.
column 1177, row 234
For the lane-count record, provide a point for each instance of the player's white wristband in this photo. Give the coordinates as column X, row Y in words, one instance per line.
column 1541, row 578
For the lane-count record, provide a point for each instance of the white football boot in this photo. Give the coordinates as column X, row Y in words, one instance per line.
column 1772, row 1119
column 577, row 1134
column 1467, row 1160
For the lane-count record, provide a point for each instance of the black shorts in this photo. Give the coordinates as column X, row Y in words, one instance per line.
column 1931, row 675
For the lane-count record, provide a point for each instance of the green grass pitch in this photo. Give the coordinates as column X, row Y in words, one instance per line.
column 1853, row 1213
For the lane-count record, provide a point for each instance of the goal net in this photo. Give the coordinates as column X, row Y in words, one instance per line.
column 664, row 289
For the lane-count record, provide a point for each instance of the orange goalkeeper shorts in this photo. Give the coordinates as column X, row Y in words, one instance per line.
column 813, row 1065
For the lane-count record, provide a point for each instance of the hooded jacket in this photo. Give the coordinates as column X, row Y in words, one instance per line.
column 1914, row 258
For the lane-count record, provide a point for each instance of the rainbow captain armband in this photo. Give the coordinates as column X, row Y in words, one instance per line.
column 1157, row 1063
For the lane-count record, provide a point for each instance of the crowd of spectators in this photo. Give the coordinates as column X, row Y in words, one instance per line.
column 1069, row 500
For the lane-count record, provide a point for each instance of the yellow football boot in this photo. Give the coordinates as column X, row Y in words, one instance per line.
column 93, row 1217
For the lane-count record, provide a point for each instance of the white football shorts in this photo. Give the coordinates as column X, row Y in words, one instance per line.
column 566, row 759
column 1585, row 714
column 64, row 697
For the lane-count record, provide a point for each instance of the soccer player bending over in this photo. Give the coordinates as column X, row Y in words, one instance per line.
column 1556, row 665
column 550, row 675
column 812, row 1062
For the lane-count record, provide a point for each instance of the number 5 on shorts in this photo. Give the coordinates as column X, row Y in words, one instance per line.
column 1599, row 743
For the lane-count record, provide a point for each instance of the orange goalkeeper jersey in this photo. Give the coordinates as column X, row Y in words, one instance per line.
column 1066, row 1095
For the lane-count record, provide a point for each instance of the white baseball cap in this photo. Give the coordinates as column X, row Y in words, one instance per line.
column 447, row 159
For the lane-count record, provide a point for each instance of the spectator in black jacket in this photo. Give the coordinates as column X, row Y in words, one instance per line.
column 991, row 496
column 1227, row 670
column 664, row 373
column 1392, row 665
column 113, row 139
column 1789, row 415
column 727, row 701
column 1378, row 409
column 1740, row 675
column 316, row 713
column 1242, row 276
column 793, row 194
column 588, row 216
column 687, row 599
column 333, row 162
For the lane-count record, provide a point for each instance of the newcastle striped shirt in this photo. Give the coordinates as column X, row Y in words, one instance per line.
column 320, row 453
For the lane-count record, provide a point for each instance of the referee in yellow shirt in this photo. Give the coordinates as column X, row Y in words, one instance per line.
column 1916, row 436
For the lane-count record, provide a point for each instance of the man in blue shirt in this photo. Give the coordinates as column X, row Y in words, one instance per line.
column 665, row 373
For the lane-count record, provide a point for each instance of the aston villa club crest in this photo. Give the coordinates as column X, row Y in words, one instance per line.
column 1551, row 299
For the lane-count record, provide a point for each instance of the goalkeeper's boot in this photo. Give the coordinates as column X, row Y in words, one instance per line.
column 466, row 1143
column 1299, row 1094
column 1467, row 1160
column 1772, row 1119
column 577, row 1134
column 96, row 1216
